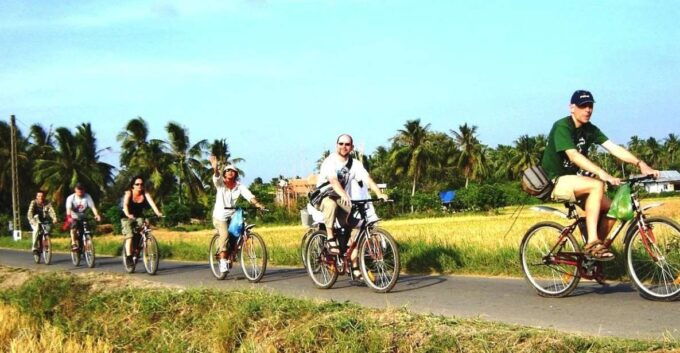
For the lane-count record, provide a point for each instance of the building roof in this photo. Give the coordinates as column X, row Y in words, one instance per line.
column 665, row 176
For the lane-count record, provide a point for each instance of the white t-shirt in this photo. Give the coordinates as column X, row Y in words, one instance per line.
column 227, row 198
column 334, row 166
column 78, row 205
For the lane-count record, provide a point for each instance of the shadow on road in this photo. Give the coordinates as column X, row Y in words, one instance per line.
column 175, row 268
column 282, row 274
column 599, row 289
column 414, row 282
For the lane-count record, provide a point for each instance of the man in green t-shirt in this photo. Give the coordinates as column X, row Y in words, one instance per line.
column 578, row 179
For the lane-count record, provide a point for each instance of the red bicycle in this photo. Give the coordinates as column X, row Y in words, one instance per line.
column 378, row 255
column 553, row 262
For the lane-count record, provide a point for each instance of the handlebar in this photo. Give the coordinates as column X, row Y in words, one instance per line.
column 358, row 202
column 246, row 209
column 638, row 179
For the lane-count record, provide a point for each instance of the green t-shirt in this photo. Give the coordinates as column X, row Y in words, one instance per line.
column 565, row 136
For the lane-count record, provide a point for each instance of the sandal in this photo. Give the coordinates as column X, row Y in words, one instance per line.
column 597, row 251
column 333, row 246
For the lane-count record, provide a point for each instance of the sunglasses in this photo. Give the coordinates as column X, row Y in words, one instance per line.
column 344, row 144
column 138, row 184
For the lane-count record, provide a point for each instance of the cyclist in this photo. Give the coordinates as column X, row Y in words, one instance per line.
column 76, row 205
column 576, row 178
column 335, row 186
column 38, row 212
column 229, row 189
column 135, row 201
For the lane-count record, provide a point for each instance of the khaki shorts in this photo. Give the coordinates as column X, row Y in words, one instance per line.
column 130, row 225
column 564, row 188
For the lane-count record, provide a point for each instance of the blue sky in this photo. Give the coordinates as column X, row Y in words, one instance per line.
column 281, row 79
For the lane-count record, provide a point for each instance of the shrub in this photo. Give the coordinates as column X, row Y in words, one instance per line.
column 113, row 215
column 176, row 213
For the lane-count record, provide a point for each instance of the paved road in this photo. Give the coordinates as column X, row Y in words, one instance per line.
column 615, row 310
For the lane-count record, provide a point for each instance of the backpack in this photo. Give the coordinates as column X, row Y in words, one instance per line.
column 322, row 191
column 535, row 182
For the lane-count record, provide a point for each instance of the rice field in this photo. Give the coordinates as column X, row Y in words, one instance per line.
column 480, row 244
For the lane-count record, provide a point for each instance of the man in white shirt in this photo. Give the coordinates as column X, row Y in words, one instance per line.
column 229, row 189
column 76, row 205
column 335, row 176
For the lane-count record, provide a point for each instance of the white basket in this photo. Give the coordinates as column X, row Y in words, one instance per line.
column 306, row 218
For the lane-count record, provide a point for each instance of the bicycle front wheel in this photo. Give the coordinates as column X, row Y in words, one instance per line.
column 88, row 250
column 150, row 255
column 540, row 256
column 653, row 259
column 47, row 250
column 128, row 265
column 76, row 255
column 322, row 273
column 379, row 263
column 253, row 257
column 214, row 258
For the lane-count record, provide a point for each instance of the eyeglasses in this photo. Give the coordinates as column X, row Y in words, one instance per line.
column 344, row 144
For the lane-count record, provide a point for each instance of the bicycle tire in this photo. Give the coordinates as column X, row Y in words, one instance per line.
column 47, row 250
column 316, row 251
column 36, row 257
column 666, row 234
column 128, row 266
column 213, row 259
column 303, row 246
column 150, row 255
column 248, row 253
column 88, row 251
column 377, row 251
column 76, row 255
column 569, row 278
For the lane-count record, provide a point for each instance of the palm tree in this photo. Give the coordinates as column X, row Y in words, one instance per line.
column 23, row 167
column 42, row 142
column 412, row 152
column 672, row 146
column 470, row 152
column 186, row 160
column 143, row 156
column 502, row 160
column 528, row 152
column 75, row 159
column 319, row 161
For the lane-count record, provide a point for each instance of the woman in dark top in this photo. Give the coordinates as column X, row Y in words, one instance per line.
column 135, row 202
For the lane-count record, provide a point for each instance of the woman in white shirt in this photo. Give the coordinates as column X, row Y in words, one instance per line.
column 229, row 189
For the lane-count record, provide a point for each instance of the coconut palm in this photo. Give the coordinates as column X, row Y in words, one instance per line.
column 672, row 146
column 75, row 159
column 319, row 161
column 186, row 160
column 470, row 152
column 528, row 152
column 412, row 152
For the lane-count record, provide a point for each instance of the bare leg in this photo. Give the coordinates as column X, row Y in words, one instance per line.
column 593, row 191
column 606, row 224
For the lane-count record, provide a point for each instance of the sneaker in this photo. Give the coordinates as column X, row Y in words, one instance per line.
column 224, row 266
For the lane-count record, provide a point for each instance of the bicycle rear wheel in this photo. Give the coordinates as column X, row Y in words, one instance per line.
column 88, row 251
column 150, row 255
column 549, row 278
column 46, row 250
column 214, row 258
column 253, row 257
column 379, row 260
column 303, row 246
column 653, row 259
column 321, row 272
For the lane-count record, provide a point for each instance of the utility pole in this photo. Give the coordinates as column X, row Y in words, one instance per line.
column 16, row 217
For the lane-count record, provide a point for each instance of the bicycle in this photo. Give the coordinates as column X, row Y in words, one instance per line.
column 312, row 227
column 250, row 250
column 44, row 244
column 378, row 255
column 85, row 245
column 145, row 243
column 553, row 262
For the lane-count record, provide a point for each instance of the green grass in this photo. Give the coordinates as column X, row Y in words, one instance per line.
column 201, row 320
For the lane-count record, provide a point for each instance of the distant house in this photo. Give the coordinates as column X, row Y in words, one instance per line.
column 669, row 180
